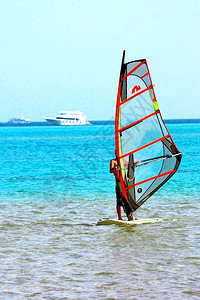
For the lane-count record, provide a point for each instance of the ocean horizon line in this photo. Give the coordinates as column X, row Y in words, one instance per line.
column 97, row 122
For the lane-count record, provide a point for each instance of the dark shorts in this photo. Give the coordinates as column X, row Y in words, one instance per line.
column 119, row 197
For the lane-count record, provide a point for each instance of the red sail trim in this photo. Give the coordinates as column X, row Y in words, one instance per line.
column 117, row 138
column 147, row 145
column 143, row 91
column 140, row 64
column 150, row 77
column 149, row 179
column 117, row 121
column 136, row 122
column 145, row 75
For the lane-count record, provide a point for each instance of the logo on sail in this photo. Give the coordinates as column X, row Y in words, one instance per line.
column 135, row 89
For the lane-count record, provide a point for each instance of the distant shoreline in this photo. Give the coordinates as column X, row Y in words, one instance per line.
column 97, row 122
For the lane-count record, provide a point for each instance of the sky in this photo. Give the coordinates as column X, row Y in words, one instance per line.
column 65, row 55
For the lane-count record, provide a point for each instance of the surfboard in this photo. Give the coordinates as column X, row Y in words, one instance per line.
column 129, row 223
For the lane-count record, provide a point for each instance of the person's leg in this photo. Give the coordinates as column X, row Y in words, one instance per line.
column 127, row 209
column 118, row 207
column 121, row 201
column 118, row 200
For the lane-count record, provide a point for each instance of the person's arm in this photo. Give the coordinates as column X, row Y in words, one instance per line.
column 112, row 166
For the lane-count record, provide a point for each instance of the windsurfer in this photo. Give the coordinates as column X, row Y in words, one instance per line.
column 121, row 201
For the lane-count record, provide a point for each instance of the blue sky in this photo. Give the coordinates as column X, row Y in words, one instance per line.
column 66, row 55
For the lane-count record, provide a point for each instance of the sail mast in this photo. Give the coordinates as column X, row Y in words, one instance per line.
column 117, row 127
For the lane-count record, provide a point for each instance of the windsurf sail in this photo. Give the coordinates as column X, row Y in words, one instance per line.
column 147, row 154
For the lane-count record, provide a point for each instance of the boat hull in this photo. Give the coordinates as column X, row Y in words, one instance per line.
column 65, row 122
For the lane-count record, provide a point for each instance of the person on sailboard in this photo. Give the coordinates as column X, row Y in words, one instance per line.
column 121, row 201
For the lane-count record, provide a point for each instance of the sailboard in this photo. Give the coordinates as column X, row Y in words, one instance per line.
column 129, row 223
column 145, row 150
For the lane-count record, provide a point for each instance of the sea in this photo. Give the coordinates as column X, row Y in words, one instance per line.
column 54, row 187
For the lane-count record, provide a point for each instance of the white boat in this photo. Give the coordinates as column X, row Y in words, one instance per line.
column 19, row 120
column 67, row 118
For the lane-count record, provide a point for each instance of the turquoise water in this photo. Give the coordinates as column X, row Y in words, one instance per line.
column 54, row 186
